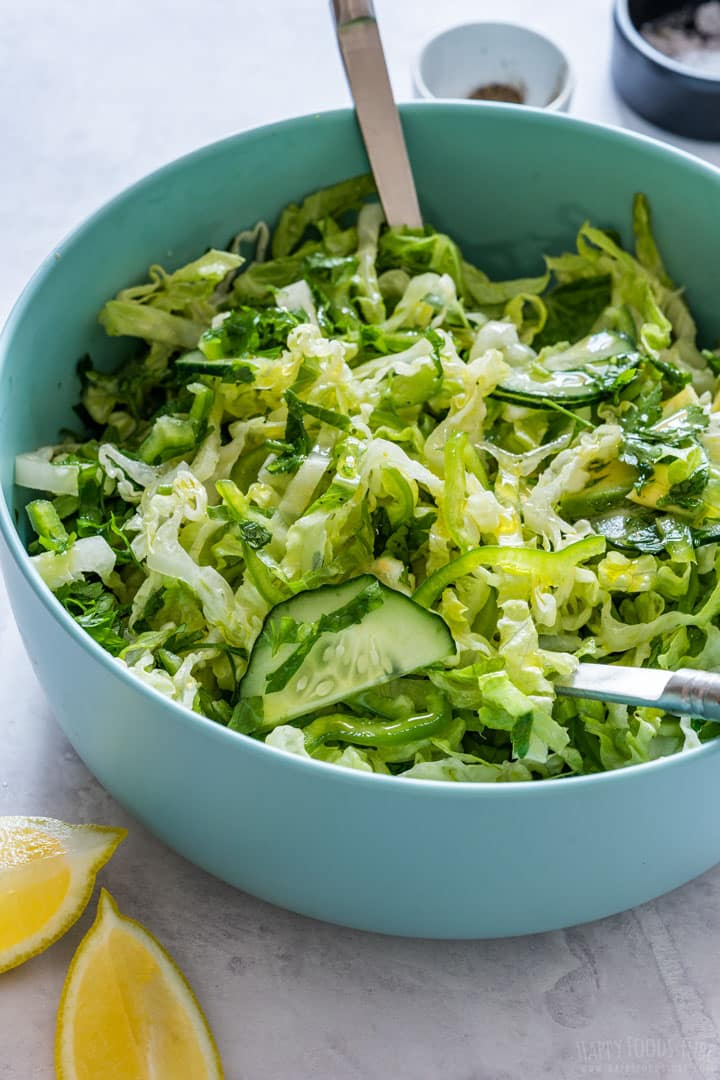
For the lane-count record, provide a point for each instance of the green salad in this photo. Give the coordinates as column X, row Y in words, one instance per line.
column 351, row 497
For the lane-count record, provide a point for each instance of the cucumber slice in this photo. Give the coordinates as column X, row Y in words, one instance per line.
column 551, row 379
column 521, row 387
column 327, row 644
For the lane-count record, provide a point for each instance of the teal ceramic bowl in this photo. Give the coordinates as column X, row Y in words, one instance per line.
column 376, row 852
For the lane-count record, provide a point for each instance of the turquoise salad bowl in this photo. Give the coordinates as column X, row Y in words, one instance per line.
column 376, row 852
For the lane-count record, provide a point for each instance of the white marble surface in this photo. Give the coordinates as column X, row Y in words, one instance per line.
column 93, row 96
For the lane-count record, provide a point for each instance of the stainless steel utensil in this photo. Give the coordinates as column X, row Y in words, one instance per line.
column 364, row 59
column 687, row 692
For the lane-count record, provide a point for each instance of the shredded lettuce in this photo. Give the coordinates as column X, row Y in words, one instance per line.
column 537, row 460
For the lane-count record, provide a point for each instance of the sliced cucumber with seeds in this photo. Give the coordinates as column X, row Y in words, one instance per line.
column 327, row 644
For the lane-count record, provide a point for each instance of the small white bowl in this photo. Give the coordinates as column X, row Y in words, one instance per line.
column 456, row 62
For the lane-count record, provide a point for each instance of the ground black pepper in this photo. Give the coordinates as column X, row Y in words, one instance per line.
column 498, row 92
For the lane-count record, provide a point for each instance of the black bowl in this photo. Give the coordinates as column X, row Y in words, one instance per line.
column 663, row 90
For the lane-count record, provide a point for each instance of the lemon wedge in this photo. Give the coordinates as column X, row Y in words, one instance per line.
column 47, row 875
column 127, row 1011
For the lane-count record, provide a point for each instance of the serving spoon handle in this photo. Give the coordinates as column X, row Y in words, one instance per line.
column 362, row 52
column 686, row 692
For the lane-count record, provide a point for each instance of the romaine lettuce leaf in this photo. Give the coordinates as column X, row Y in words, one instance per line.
column 346, row 407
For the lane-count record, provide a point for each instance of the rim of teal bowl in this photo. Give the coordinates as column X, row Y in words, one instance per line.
column 452, row 789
